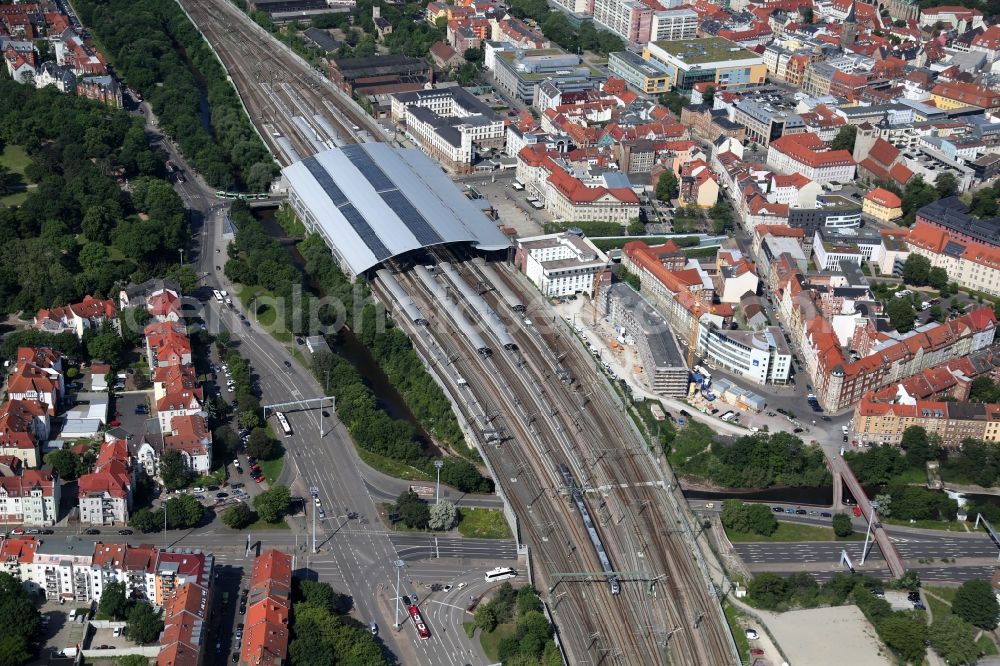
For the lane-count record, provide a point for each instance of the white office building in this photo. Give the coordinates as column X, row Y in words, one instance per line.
column 561, row 264
column 762, row 357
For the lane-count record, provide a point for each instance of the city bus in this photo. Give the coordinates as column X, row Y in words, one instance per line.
column 418, row 622
column 283, row 422
column 500, row 573
column 218, row 295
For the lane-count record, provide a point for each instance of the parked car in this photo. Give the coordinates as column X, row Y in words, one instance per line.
column 125, row 532
column 92, row 531
column 752, row 634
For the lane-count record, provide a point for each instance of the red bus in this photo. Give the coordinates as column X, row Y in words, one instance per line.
column 418, row 622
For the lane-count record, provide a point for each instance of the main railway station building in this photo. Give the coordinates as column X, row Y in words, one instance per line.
column 371, row 202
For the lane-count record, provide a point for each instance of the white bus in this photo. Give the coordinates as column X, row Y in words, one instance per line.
column 500, row 573
column 517, row 185
column 285, row 428
column 218, row 295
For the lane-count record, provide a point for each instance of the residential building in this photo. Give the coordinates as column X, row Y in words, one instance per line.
column 670, row 25
column 956, row 95
column 629, row 19
column 561, row 264
column 61, row 569
column 713, row 59
column 182, row 641
column 190, row 435
column 882, row 205
column 89, row 314
column 31, row 498
column 969, row 264
column 767, row 117
column 637, row 320
column 269, row 604
column 24, row 428
column 878, row 422
column 105, row 495
column 807, row 154
column 167, row 344
column 762, row 357
column 698, row 186
column 737, row 276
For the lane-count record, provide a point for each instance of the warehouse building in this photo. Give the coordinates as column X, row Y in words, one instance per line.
column 371, row 202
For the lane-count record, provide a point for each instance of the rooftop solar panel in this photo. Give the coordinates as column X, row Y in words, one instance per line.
column 371, row 171
column 412, row 218
column 336, row 195
column 364, row 230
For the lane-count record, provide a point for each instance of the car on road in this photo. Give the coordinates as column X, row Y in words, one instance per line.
column 197, row 489
column 48, row 531
column 789, row 510
column 777, row 509
column 826, row 418
column 287, row 364
column 461, row 586
column 126, row 532
column 313, row 491
column 92, row 531
column 322, row 513
column 798, row 430
column 326, row 414
column 801, row 512
column 826, row 514
column 372, row 627
column 317, row 501
column 17, row 531
column 236, row 657
column 752, row 634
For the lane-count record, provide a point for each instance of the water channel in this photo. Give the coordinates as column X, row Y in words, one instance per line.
column 346, row 345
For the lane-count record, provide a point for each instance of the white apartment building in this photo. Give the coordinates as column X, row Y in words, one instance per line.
column 561, row 264
column 62, row 569
column 762, row 357
column 969, row 264
column 30, row 499
column 673, row 24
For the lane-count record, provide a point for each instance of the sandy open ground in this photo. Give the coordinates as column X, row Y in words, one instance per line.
column 821, row 636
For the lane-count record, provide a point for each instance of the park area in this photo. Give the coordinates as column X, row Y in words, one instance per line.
column 13, row 186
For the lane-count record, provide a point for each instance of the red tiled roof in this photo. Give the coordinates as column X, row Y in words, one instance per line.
column 884, row 197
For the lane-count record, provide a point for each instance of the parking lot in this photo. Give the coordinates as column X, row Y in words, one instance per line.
column 512, row 206
column 123, row 412
column 59, row 633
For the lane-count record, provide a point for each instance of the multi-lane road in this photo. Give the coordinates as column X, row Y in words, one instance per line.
column 356, row 555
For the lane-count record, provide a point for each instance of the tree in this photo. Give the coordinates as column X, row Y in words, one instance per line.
column 114, row 601
column 238, row 516
column 486, row 617
column 260, row 445
column 324, row 596
column 65, row 463
column 901, row 314
column 473, row 55
column 984, row 203
column 917, row 195
column 174, row 472
column 442, row 516
column 768, row 589
column 984, row 389
column 976, row 604
column 906, row 633
column 144, row 624
column 21, row 622
column 273, row 504
column 946, row 184
column 842, row 526
column 916, row 270
column 884, row 501
column 845, row 138
column 146, row 520
column 708, row 97
column 107, row 346
column 918, row 446
column 954, row 640
column 937, row 277
column 748, row 518
column 184, row 512
column 806, row 12
column 413, row 511
column 936, row 313
column 667, row 186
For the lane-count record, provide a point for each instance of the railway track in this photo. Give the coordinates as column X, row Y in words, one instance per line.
column 553, row 425
column 297, row 111
column 628, row 486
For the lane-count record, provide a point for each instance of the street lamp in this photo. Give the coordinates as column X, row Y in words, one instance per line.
column 399, row 564
column 181, row 250
column 437, row 495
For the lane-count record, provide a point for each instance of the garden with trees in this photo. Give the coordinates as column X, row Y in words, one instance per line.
column 23, row 633
column 77, row 231
column 760, row 460
column 517, row 615
column 157, row 51
column 324, row 633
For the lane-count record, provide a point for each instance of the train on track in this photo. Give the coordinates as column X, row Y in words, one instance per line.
column 588, row 523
